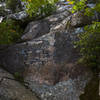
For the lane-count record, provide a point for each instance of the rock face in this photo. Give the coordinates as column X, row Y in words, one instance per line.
column 18, row 16
column 47, row 60
column 34, row 29
column 38, row 28
column 66, row 90
column 38, row 52
column 13, row 10
column 48, row 64
column 12, row 90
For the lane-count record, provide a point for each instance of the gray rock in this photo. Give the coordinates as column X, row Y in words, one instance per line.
column 38, row 52
column 12, row 90
column 1, row 19
column 91, row 5
column 38, row 28
column 17, row 12
column 63, row 6
column 66, row 90
column 22, row 15
column 78, row 30
column 79, row 20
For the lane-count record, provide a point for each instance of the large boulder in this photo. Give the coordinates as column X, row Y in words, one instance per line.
column 10, row 89
column 49, row 65
column 53, row 47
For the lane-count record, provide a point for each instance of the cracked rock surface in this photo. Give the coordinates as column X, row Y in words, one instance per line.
column 10, row 89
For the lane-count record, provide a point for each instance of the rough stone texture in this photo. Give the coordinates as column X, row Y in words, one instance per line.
column 17, row 13
column 12, row 90
column 36, row 29
column 22, row 15
column 52, row 47
column 58, row 21
column 33, row 52
column 45, row 62
column 70, row 89
column 48, row 59
column 78, row 20
column 63, row 6
column 49, row 24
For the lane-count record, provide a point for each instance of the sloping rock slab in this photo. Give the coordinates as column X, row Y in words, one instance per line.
column 38, row 28
column 12, row 90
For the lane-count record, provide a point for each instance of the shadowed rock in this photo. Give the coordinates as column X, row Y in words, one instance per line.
column 12, row 90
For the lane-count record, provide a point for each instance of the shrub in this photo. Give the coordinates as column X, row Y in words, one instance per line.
column 89, row 44
column 40, row 7
column 89, row 41
column 10, row 32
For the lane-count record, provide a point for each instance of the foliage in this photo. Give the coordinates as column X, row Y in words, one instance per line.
column 40, row 7
column 81, row 5
column 10, row 32
column 89, row 42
